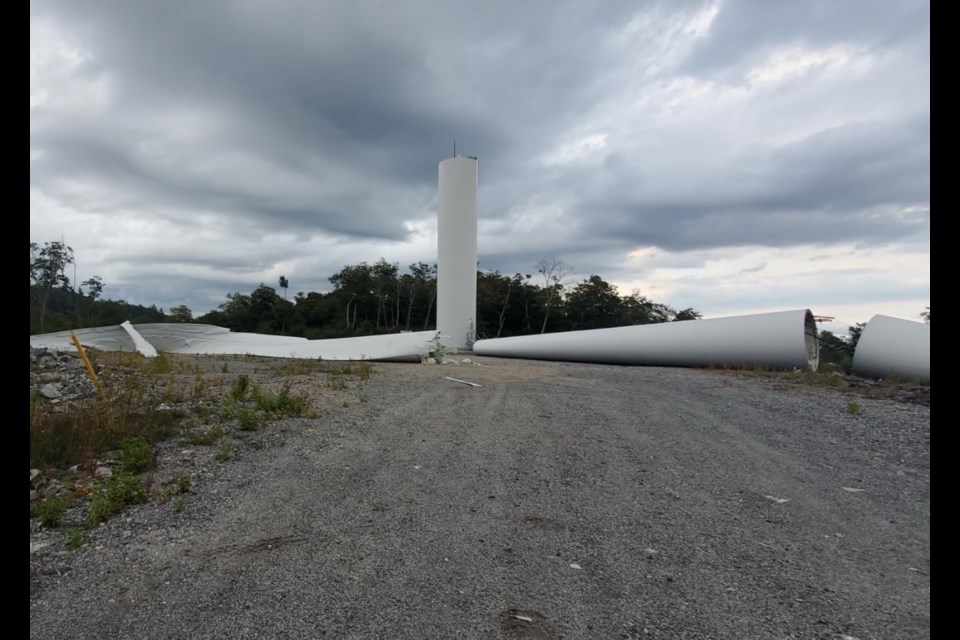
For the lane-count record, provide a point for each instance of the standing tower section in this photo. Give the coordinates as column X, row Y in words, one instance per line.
column 457, row 252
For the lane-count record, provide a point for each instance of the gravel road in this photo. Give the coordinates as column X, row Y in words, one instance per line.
column 554, row 501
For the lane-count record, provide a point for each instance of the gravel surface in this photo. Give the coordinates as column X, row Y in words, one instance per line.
column 554, row 501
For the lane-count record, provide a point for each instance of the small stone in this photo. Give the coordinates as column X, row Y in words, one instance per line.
column 34, row 495
column 50, row 391
column 36, row 478
column 103, row 472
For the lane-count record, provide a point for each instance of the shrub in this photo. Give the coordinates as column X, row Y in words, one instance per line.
column 110, row 498
column 51, row 511
column 240, row 387
column 74, row 538
column 137, row 454
column 247, row 419
column 207, row 437
column 226, row 449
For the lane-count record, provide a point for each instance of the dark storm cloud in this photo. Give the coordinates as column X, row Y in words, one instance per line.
column 325, row 121
column 319, row 85
column 848, row 183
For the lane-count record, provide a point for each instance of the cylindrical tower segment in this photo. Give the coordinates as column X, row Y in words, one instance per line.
column 457, row 252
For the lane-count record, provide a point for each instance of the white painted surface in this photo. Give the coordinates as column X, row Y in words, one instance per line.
column 779, row 340
column 139, row 343
column 457, row 252
column 892, row 346
column 208, row 339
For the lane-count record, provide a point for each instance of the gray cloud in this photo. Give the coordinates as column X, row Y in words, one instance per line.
column 599, row 129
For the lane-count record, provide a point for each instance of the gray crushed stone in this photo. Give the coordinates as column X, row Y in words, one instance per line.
column 696, row 505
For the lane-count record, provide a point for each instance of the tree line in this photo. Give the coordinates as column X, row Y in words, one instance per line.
column 382, row 297
column 365, row 299
column 368, row 299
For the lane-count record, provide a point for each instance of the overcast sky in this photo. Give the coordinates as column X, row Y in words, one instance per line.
column 731, row 156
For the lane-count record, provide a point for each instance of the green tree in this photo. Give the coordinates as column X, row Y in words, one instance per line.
column 48, row 270
column 284, row 284
column 594, row 304
column 180, row 313
column 835, row 350
column 855, row 332
column 687, row 314
column 94, row 287
column 925, row 314
column 385, row 284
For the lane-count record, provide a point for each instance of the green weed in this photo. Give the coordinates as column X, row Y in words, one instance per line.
column 182, row 483
column 224, row 452
column 240, row 387
column 299, row 366
column 247, row 419
column 94, row 425
column 360, row 369
column 199, row 386
column 162, row 363
column 51, row 511
column 281, row 404
column 205, row 438
column 137, row 454
column 74, row 538
column 111, row 497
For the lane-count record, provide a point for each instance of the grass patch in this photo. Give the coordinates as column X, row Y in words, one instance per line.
column 281, row 404
column 228, row 407
column 137, row 454
column 360, row 369
column 74, row 538
column 853, row 407
column 224, row 452
column 336, row 384
column 113, row 495
column 240, row 387
column 299, row 366
column 61, row 436
column 161, row 363
column 207, row 437
column 51, row 511
column 247, row 419
column 199, row 385
column 180, row 485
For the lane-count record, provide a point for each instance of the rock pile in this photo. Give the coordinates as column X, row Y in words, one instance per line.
column 57, row 377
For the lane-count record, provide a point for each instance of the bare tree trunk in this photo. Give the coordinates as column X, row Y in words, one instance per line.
column 396, row 318
column 426, row 320
column 348, row 309
column 503, row 310
column 413, row 295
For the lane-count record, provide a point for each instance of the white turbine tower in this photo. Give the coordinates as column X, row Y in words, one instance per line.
column 457, row 252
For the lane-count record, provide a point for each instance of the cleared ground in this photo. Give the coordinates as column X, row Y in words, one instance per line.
column 554, row 501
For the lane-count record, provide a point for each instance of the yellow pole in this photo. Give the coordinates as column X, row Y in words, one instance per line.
column 83, row 356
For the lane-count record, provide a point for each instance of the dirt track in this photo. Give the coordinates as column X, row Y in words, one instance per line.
column 554, row 501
